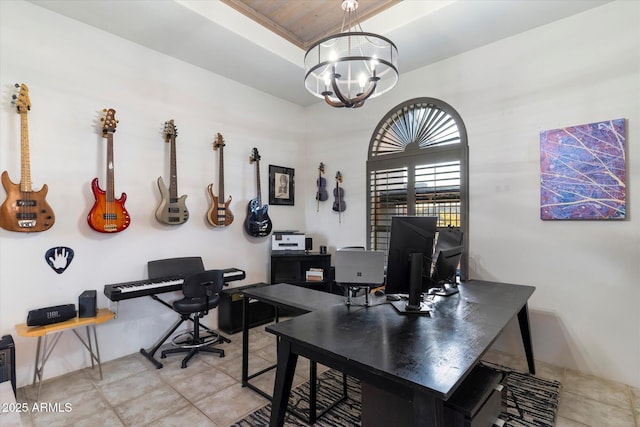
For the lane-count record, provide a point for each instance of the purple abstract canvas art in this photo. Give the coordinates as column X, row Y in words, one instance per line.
column 582, row 172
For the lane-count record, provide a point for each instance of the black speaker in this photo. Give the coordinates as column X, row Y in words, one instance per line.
column 49, row 315
column 87, row 304
column 7, row 361
column 308, row 244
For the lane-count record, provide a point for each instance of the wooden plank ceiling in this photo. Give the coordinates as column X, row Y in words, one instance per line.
column 302, row 22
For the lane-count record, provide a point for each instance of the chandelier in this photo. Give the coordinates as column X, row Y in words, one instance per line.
column 350, row 67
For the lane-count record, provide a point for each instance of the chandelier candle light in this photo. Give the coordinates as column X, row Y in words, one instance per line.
column 350, row 67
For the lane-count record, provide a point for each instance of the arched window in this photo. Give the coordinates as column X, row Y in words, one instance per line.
column 418, row 165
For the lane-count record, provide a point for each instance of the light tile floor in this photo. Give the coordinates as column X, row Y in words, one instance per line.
column 208, row 391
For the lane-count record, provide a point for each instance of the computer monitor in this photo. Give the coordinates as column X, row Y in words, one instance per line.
column 409, row 234
column 443, row 277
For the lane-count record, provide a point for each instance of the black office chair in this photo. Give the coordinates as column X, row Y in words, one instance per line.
column 201, row 294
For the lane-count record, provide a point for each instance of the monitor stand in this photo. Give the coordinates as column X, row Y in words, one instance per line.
column 404, row 307
column 415, row 305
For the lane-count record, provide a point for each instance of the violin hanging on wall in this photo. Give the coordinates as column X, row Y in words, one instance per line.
column 321, row 183
column 339, row 205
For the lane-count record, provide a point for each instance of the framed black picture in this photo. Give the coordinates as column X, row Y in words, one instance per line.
column 281, row 185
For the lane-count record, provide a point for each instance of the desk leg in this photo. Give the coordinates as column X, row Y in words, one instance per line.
column 284, row 378
column 245, row 341
column 95, row 356
column 428, row 411
column 313, row 390
column 525, row 331
column 42, row 355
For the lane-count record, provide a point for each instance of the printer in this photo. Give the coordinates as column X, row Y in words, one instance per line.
column 287, row 241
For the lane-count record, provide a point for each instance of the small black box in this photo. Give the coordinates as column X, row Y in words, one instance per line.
column 87, row 304
column 230, row 310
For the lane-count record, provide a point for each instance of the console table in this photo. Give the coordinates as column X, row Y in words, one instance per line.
column 56, row 329
column 421, row 358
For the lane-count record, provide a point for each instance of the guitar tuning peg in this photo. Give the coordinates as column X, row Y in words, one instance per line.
column 117, row 121
column 16, row 85
column 14, row 97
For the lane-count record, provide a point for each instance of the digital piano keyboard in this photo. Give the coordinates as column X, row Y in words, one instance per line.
column 141, row 288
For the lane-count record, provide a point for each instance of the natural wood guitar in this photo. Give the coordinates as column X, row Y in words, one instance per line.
column 108, row 214
column 172, row 209
column 24, row 209
column 257, row 223
column 219, row 214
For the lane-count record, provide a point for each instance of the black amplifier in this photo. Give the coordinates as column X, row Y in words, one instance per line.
column 8, row 361
column 230, row 310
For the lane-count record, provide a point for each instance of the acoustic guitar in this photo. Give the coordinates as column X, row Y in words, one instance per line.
column 108, row 214
column 219, row 214
column 257, row 223
column 172, row 209
column 24, row 209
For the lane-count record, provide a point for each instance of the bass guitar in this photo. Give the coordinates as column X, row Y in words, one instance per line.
column 172, row 209
column 321, row 183
column 24, row 209
column 108, row 214
column 339, row 205
column 258, row 223
column 219, row 214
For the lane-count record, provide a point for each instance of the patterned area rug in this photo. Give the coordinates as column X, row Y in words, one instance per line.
column 531, row 402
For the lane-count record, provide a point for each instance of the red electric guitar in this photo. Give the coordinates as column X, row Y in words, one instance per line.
column 108, row 214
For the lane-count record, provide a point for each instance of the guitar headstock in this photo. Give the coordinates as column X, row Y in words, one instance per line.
column 109, row 121
column 255, row 156
column 321, row 167
column 338, row 176
column 219, row 142
column 170, row 130
column 23, row 104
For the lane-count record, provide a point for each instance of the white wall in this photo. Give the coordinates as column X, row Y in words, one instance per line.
column 73, row 72
column 582, row 69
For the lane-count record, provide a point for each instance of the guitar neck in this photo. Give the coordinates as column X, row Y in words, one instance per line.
column 221, row 175
column 258, row 182
column 173, row 181
column 25, row 167
column 109, row 193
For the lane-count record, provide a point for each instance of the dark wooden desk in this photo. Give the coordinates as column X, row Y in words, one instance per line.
column 421, row 358
column 298, row 300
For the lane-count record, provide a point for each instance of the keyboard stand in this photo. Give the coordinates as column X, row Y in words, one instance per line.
column 150, row 353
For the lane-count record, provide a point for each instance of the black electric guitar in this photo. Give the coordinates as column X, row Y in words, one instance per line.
column 258, row 223
column 172, row 209
column 24, row 209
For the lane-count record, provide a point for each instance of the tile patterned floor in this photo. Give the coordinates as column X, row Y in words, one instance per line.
column 208, row 392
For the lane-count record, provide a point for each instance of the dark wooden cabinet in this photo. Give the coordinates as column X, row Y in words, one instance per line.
column 296, row 267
